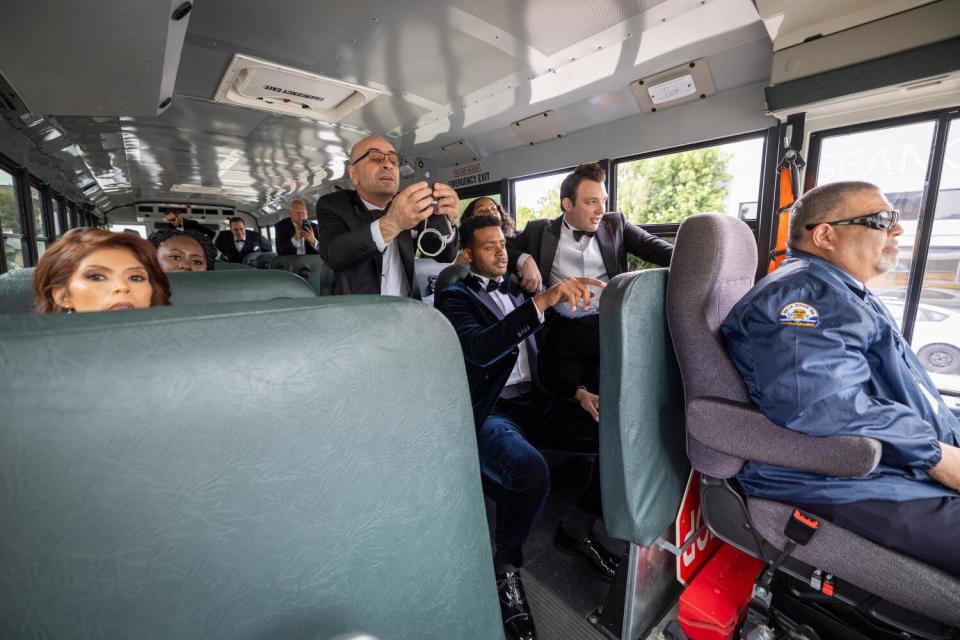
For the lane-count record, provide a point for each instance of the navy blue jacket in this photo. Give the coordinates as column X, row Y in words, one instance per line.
column 822, row 356
column 490, row 340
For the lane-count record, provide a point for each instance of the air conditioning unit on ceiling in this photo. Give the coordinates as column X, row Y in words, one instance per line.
column 268, row 86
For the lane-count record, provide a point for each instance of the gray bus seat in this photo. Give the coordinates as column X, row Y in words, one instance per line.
column 223, row 265
column 263, row 259
column 235, row 286
column 451, row 274
column 423, row 270
column 16, row 291
column 282, row 263
column 148, row 491
column 644, row 466
column 315, row 271
column 713, row 266
column 250, row 259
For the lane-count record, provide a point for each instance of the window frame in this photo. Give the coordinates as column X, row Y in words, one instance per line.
column 671, row 228
column 512, row 187
column 942, row 119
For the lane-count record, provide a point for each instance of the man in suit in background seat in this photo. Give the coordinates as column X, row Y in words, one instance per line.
column 584, row 241
column 513, row 414
column 365, row 234
column 296, row 236
column 239, row 241
column 177, row 220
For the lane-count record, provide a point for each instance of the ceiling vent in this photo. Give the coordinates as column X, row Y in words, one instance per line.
column 267, row 86
column 457, row 153
column 539, row 128
column 687, row 83
column 196, row 188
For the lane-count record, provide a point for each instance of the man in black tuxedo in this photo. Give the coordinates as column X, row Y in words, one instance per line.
column 239, row 241
column 365, row 234
column 176, row 220
column 584, row 241
column 513, row 414
column 296, row 236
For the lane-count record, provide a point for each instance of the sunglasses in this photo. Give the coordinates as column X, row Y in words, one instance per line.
column 881, row 220
column 377, row 157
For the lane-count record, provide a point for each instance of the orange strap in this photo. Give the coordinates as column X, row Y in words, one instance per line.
column 788, row 177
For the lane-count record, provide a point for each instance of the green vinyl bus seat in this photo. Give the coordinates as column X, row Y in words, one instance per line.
column 644, row 465
column 245, row 285
column 149, row 492
column 236, row 285
column 16, row 291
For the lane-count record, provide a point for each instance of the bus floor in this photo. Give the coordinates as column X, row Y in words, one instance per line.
column 564, row 590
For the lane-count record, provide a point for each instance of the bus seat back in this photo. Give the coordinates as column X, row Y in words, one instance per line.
column 644, row 466
column 315, row 271
column 16, row 291
column 150, row 491
column 423, row 270
column 240, row 285
column 713, row 266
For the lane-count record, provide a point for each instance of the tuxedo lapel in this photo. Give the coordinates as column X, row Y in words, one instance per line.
column 484, row 298
column 608, row 247
column 548, row 248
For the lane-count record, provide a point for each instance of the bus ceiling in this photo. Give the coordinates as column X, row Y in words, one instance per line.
column 130, row 97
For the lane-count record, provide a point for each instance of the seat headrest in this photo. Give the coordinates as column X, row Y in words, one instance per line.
column 714, row 264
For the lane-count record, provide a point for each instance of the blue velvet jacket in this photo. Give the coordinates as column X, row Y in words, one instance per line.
column 821, row 355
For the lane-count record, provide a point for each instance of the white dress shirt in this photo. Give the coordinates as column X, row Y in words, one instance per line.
column 301, row 244
column 393, row 282
column 575, row 260
column 521, row 370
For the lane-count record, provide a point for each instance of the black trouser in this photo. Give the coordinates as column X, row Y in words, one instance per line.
column 508, row 442
column 925, row 529
column 570, row 354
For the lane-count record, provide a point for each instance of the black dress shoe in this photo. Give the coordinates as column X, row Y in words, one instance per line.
column 517, row 621
column 603, row 560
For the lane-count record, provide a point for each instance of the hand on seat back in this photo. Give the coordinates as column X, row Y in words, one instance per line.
column 530, row 279
column 590, row 402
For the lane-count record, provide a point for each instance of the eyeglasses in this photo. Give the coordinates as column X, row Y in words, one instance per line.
column 881, row 220
column 378, row 157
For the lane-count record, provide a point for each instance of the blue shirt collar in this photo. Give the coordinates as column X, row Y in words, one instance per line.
column 855, row 285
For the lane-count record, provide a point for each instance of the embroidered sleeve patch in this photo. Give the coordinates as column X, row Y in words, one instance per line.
column 799, row 314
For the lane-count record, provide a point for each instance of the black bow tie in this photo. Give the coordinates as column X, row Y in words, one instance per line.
column 376, row 214
column 477, row 284
column 577, row 234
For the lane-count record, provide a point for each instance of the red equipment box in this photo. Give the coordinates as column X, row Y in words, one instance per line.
column 715, row 600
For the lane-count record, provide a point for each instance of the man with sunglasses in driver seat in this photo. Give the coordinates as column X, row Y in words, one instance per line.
column 822, row 356
column 365, row 236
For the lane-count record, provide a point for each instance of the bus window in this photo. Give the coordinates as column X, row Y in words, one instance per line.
column 666, row 188
column 937, row 340
column 36, row 201
column 465, row 202
column 537, row 197
column 55, row 210
column 895, row 159
column 10, row 222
